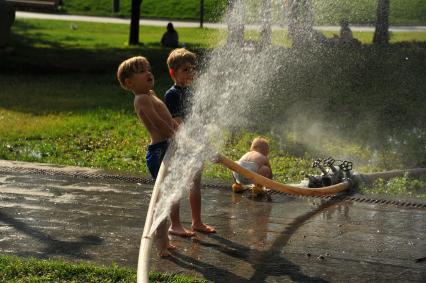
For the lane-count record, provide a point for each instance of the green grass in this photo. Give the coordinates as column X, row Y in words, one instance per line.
column 60, row 101
column 398, row 187
column 92, row 36
column 18, row 270
column 411, row 12
column 402, row 12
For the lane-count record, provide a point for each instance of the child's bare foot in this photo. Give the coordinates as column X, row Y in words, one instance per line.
column 181, row 232
column 203, row 228
column 171, row 247
column 166, row 252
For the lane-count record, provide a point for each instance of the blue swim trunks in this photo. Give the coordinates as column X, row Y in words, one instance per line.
column 154, row 157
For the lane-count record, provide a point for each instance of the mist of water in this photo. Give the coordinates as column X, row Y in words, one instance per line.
column 282, row 91
column 227, row 93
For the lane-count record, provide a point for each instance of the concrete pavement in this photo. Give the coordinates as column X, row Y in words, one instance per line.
column 289, row 239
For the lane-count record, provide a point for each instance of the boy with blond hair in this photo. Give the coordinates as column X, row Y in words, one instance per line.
column 134, row 74
column 181, row 64
column 256, row 160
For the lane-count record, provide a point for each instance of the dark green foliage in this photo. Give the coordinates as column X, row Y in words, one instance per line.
column 368, row 95
column 61, row 103
column 169, row 9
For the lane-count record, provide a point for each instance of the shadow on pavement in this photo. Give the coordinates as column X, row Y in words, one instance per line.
column 265, row 263
column 71, row 249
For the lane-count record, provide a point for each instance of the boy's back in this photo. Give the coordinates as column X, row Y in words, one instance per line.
column 256, row 157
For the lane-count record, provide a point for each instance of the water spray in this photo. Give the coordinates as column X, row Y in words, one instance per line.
column 228, row 92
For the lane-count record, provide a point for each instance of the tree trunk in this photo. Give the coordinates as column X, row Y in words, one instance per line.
column 300, row 21
column 235, row 23
column 266, row 30
column 201, row 13
column 134, row 22
column 115, row 6
column 381, row 34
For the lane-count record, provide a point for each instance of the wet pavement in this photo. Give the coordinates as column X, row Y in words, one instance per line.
column 288, row 239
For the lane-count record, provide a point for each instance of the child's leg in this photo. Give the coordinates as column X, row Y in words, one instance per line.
column 176, row 227
column 265, row 172
column 257, row 189
column 195, row 202
column 162, row 240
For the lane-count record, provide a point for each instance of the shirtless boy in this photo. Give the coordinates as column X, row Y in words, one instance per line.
column 135, row 75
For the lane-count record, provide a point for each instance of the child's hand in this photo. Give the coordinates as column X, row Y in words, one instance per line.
column 215, row 158
column 175, row 125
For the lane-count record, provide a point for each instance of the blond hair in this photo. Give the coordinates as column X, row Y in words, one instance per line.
column 180, row 56
column 260, row 144
column 129, row 67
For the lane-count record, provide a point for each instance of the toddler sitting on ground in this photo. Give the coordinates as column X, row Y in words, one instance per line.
column 256, row 160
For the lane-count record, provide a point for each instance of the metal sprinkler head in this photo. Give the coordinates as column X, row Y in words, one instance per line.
column 329, row 162
column 318, row 164
column 346, row 166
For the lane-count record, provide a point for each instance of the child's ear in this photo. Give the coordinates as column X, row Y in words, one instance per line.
column 128, row 83
column 172, row 72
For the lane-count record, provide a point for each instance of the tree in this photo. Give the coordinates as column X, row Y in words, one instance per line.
column 201, row 13
column 134, row 22
column 300, row 21
column 381, row 34
column 236, row 23
column 266, row 17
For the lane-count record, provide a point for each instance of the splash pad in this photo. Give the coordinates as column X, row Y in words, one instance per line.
column 233, row 84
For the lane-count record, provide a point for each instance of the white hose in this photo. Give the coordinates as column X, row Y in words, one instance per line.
column 147, row 238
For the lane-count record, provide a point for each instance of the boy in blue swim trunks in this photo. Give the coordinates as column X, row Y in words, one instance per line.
column 181, row 64
column 135, row 75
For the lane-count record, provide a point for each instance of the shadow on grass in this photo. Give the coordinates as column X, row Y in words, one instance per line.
column 41, row 52
column 42, row 76
column 36, row 55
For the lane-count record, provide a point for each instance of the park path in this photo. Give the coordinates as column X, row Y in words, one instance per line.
column 64, row 213
column 163, row 23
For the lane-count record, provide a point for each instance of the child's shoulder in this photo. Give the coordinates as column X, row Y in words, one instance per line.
column 172, row 90
column 172, row 93
column 141, row 99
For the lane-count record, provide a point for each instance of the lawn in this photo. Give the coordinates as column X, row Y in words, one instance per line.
column 13, row 269
column 402, row 12
column 60, row 101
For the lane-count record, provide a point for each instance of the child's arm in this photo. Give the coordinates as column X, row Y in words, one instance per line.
column 178, row 120
column 172, row 103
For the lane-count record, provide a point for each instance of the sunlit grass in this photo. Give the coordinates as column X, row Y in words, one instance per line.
column 14, row 269
column 81, row 116
column 52, row 33
column 92, row 36
column 398, row 187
